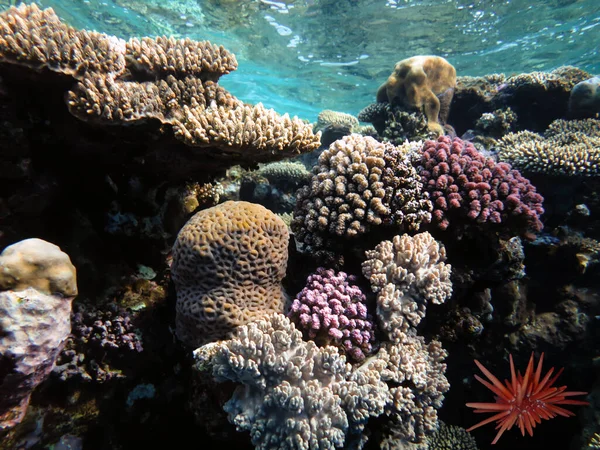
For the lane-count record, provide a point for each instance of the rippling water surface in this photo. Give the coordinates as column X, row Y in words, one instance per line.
column 302, row 56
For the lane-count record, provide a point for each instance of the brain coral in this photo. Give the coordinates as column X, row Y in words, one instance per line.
column 465, row 186
column 228, row 263
column 359, row 183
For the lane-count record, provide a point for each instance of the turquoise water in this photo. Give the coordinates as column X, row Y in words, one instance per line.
column 303, row 56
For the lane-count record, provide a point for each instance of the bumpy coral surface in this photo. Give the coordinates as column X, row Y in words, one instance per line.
column 294, row 395
column 406, row 273
column 466, row 187
column 328, row 118
column 37, row 288
column 359, row 184
column 568, row 148
column 228, row 263
column 420, row 82
column 451, row 437
column 414, row 372
column 396, row 125
column 38, row 264
column 172, row 81
column 330, row 310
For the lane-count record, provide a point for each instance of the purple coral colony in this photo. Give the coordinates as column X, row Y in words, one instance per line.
column 172, row 272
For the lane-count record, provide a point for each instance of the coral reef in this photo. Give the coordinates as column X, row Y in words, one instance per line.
column 228, row 263
column 331, row 311
column 294, row 395
column 291, row 387
column 395, row 125
column 567, row 148
column 273, row 185
column 37, row 286
column 99, row 337
column 422, row 82
column 537, row 98
column 359, row 184
column 466, row 187
column 496, row 123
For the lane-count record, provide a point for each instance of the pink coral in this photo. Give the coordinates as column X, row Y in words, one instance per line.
column 464, row 184
column 330, row 310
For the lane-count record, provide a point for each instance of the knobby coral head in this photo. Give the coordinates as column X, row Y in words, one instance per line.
column 524, row 400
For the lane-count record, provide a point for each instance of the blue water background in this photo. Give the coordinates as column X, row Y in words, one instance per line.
column 304, row 56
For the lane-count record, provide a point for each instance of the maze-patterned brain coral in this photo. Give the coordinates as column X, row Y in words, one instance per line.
column 228, row 263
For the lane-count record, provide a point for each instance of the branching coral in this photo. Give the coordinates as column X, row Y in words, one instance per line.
column 568, row 148
column 163, row 81
column 332, row 311
column 465, row 186
column 359, row 184
column 406, row 273
column 294, row 395
column 394, row 124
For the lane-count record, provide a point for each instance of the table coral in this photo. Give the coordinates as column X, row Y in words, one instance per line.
column 162, row 81
column 359, row 184
column 332, row 311
column 37, row 287
column 467, row 187
column 567, row 148
column 422, row 82
column 228, row 263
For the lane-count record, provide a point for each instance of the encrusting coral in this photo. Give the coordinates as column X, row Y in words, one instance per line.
column 228, row 263
column 422, row 82
column 359, row 184
column 37, row 287
column 166, row 80
column 567, row 148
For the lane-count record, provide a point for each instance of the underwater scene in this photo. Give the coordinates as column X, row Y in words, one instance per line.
column 300, row 224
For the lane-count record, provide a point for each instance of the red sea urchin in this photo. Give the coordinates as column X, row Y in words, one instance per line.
column 525, row 400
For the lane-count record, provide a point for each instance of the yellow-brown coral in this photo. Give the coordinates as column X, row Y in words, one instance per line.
column 418, row 82
column 228, row 263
